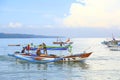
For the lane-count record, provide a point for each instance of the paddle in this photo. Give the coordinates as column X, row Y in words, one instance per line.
column 14, row 45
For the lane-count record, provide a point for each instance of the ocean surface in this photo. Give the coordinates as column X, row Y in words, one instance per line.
column 103, row 64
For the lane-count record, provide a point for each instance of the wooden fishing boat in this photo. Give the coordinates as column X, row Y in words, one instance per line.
column 50, row 58
column 60, row 42
column 75, row 57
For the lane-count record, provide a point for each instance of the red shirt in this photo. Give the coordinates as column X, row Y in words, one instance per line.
column 28, row 47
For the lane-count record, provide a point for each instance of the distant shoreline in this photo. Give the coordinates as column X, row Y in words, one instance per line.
column 7, row 35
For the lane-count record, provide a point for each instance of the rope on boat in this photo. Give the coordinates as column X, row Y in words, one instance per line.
column 91, row 47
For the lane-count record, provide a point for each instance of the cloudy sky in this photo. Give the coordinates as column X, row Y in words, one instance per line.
column 72, row 18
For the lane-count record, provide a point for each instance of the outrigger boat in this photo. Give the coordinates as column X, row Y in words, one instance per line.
column 112, row 43
column 50, row 58
column 62, row 42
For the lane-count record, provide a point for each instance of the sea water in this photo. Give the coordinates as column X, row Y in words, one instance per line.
column 103, row 64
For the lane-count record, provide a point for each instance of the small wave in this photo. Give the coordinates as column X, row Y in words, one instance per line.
column 17, row 72
column 5, row 58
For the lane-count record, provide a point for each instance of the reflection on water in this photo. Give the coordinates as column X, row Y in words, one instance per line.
column 28, row 66
column 81, row 65
column 60, row 65
column 42, row 66
column 57, row 70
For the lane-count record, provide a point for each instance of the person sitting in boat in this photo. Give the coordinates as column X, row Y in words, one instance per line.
column 38, row 52
column 28, row 48
column 61, row 44
column 23, row 50
column 44, row 48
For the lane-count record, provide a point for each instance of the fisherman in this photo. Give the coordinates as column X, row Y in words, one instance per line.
column 38, row 52
column 70, row 50
column 23, row 50
column 61, row 44
column 44, row 48
column 28, row 48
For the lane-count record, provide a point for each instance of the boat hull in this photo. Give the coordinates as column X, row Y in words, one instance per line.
column 76, row 57
column 32, row 58
column 51, row 58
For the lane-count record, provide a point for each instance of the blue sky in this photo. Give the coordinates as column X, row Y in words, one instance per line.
column 72, row 18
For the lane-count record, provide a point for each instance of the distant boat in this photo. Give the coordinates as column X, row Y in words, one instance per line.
column 115, row 48
column 111, row 43
column 60, row 42
column 50, row 58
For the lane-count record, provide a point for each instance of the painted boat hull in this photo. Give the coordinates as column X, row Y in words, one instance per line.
column 76, row 57
column 32, row 58
column 51, row 58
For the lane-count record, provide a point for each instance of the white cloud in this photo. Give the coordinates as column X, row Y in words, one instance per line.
column 14, row 25
column 93, row 13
